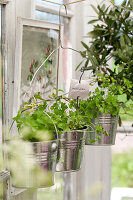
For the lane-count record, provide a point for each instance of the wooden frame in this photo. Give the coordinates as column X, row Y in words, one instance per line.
column 53, row 10
column 21, row 22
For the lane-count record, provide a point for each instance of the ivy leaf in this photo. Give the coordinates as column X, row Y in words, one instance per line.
column 92, row 141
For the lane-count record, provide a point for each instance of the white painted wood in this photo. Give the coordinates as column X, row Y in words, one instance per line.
column 10, row 12
column 53, row 10
column 21, row 22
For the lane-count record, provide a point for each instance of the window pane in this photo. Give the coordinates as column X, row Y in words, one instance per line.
column 47, row 16
column 38, row 43
column 66, row 54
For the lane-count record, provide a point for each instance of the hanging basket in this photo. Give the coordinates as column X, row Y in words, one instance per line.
column 70, row 151
column 43, row 161
column 109, row 124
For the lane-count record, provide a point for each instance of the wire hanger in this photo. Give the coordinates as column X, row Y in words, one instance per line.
column 64, row 4
column 60, row 46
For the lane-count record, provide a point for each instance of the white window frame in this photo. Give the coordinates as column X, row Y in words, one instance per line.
column 53, row 10
column 18, row 62
column 4, row 175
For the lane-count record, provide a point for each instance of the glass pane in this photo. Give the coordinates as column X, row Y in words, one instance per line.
column 66, row 71
column 47, row 16
column 38, row 43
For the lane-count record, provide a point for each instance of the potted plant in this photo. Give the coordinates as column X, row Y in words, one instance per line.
column 63, row 119
column 37, row 130
column 112, row 38
column 105, row 103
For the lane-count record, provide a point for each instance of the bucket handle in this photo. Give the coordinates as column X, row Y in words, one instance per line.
column 53, row 124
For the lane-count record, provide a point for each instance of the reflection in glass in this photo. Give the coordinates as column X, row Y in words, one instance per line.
column 66, row 54
column 38, row 43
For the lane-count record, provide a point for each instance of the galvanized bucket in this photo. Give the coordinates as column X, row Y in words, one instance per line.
column 43, row 162
column 109, row 124
column 70, row 151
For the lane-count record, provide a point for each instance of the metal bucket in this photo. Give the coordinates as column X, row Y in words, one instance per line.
column 43, row 161
column 109, row 124
column 70, row 151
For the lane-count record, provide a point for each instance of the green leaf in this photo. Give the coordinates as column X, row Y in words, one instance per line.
column 85, row 45
column 94, row 8
column 127, row 14
column 122, row 42
column 113, row 1
column 86, row 64
column 103, row 7
column 93, row 21
column 92, row 141
column 112, row 17
column 79, row 65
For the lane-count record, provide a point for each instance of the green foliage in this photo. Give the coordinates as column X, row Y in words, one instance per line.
column 112, row 37
column 122, row 169
column 39, row 121
column 36, row 119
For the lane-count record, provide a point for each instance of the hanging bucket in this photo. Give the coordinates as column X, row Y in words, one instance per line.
column 70, row 151
column 40, row 166
column 109, row 124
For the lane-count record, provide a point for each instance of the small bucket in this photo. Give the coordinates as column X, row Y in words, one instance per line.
column 70, row 151
column 41, row 166
column 109, row 124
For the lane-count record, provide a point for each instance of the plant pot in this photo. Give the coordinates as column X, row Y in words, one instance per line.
column 109, row 124
column 70, row 151
column 43, row 162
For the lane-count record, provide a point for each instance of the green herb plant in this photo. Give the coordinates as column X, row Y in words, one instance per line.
column 34, row 118
column 41, row 119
